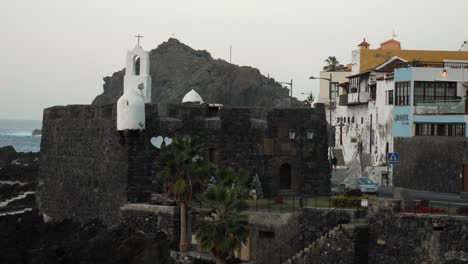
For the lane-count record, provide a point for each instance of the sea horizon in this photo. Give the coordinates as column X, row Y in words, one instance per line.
column 18, row 133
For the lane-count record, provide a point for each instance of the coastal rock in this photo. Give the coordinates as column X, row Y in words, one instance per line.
column 177, row 68
column 27, row 239
column 37, row 132
column 18, row 166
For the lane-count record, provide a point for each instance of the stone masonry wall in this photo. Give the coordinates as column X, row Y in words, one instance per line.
column 429, row 163
column 340, row 245
column 410, row 238
column 83, row 170
column 89, row 170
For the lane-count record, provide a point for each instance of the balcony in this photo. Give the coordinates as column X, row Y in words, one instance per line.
column 355, row 98
column 452, row 107
column 432, row 64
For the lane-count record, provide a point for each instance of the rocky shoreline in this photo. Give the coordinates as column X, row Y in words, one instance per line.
column 26, row 238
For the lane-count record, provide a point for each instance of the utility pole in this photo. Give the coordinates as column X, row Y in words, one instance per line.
column 330, row 84
column 230, row 75
column 291, row 85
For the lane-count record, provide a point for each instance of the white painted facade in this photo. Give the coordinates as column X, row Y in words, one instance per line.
column 131, row 110
column 138, row 58
column 192, row 97
column 363, row 129
column 339, row 77
column 137, row 91
column 355, row 61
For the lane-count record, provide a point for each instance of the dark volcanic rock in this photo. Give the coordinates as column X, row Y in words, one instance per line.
column 26, row 238
column 37, row 132
column 18, row 166
column 176, row 69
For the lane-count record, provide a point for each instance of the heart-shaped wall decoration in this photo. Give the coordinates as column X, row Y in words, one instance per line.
column 168, row 141
column 157, row 141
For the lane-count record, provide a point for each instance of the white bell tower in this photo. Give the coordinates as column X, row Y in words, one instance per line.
column 137, row 90
column 137, row 70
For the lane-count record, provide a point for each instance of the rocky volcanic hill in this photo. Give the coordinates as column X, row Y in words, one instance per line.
column 176, row 69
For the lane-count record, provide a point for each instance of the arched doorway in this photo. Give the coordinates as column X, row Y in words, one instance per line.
column 285, row 177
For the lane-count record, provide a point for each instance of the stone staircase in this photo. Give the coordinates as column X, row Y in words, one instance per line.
column 338, row 153
column 366, row 161
column 334, row 241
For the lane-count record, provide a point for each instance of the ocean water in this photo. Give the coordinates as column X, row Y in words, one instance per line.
column 18, row 133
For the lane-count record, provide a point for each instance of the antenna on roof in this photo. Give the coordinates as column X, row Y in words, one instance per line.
column 393, row 34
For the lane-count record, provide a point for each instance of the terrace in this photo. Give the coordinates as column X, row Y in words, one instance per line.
column 432, row 64
column 449, row 107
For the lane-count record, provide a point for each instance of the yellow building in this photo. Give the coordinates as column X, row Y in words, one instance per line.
column 366, row 58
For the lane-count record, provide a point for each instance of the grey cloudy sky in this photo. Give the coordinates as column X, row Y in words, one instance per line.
column 55, row 52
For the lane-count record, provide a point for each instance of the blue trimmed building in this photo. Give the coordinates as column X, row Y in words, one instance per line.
column 429, row 126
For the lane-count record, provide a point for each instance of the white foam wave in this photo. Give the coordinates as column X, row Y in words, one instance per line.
column 17, row 134
column 19, row 197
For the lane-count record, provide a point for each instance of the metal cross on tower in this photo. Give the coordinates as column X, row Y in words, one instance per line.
column 138, row 37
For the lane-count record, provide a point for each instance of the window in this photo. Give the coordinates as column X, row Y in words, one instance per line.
column 362, row 120
column 389, row 97
column 402, row 93
column 434, row 91
column 352, row 120
column 440, row 129
column 334, row 90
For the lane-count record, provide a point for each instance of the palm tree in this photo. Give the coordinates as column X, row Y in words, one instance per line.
column 181, row 165
column 332, row 64
column 309, row 100
column 223, row 226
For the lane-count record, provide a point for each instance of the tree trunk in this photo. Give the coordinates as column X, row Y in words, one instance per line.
column 220, row 260
column 189, row 228
column 183, row 229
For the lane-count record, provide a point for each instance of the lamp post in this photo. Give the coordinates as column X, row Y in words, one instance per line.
column 290, row 84
column 299, row 141
column 330, row 84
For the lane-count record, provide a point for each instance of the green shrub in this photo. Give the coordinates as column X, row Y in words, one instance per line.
column 348, row 201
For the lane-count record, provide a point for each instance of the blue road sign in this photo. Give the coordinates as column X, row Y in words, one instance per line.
column 393, row 157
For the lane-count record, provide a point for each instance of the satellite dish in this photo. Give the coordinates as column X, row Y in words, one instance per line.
column 157, row 141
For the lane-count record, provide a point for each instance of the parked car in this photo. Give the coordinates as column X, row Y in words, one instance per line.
column 365, row 185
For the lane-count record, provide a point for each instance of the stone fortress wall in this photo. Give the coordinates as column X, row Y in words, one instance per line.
column 434, row 166
column 89, row 169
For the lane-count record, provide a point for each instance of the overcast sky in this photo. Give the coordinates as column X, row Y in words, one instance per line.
column 56, row 52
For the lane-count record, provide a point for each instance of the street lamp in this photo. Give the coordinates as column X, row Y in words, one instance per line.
column 290, row 84
column 300, row 143
column 330, row 83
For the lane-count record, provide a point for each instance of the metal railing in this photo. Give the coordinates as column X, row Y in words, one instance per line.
column 449, row 107
column 288, row 204
column 432, row 64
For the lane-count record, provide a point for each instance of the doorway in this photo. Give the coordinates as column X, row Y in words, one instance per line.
column 285, row 177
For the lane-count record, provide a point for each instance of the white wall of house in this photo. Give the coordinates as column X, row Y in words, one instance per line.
column 371, row 130
column 324, row 84
column 383, row 116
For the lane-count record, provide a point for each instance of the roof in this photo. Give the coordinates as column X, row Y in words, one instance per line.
column 192, row 97
column 390, row 40
column 389, row 65
column 364, row 43
column 371, row 58
column 359, row 74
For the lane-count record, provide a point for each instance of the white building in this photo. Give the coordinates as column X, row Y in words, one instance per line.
column 363, row 120
column 137, row 91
